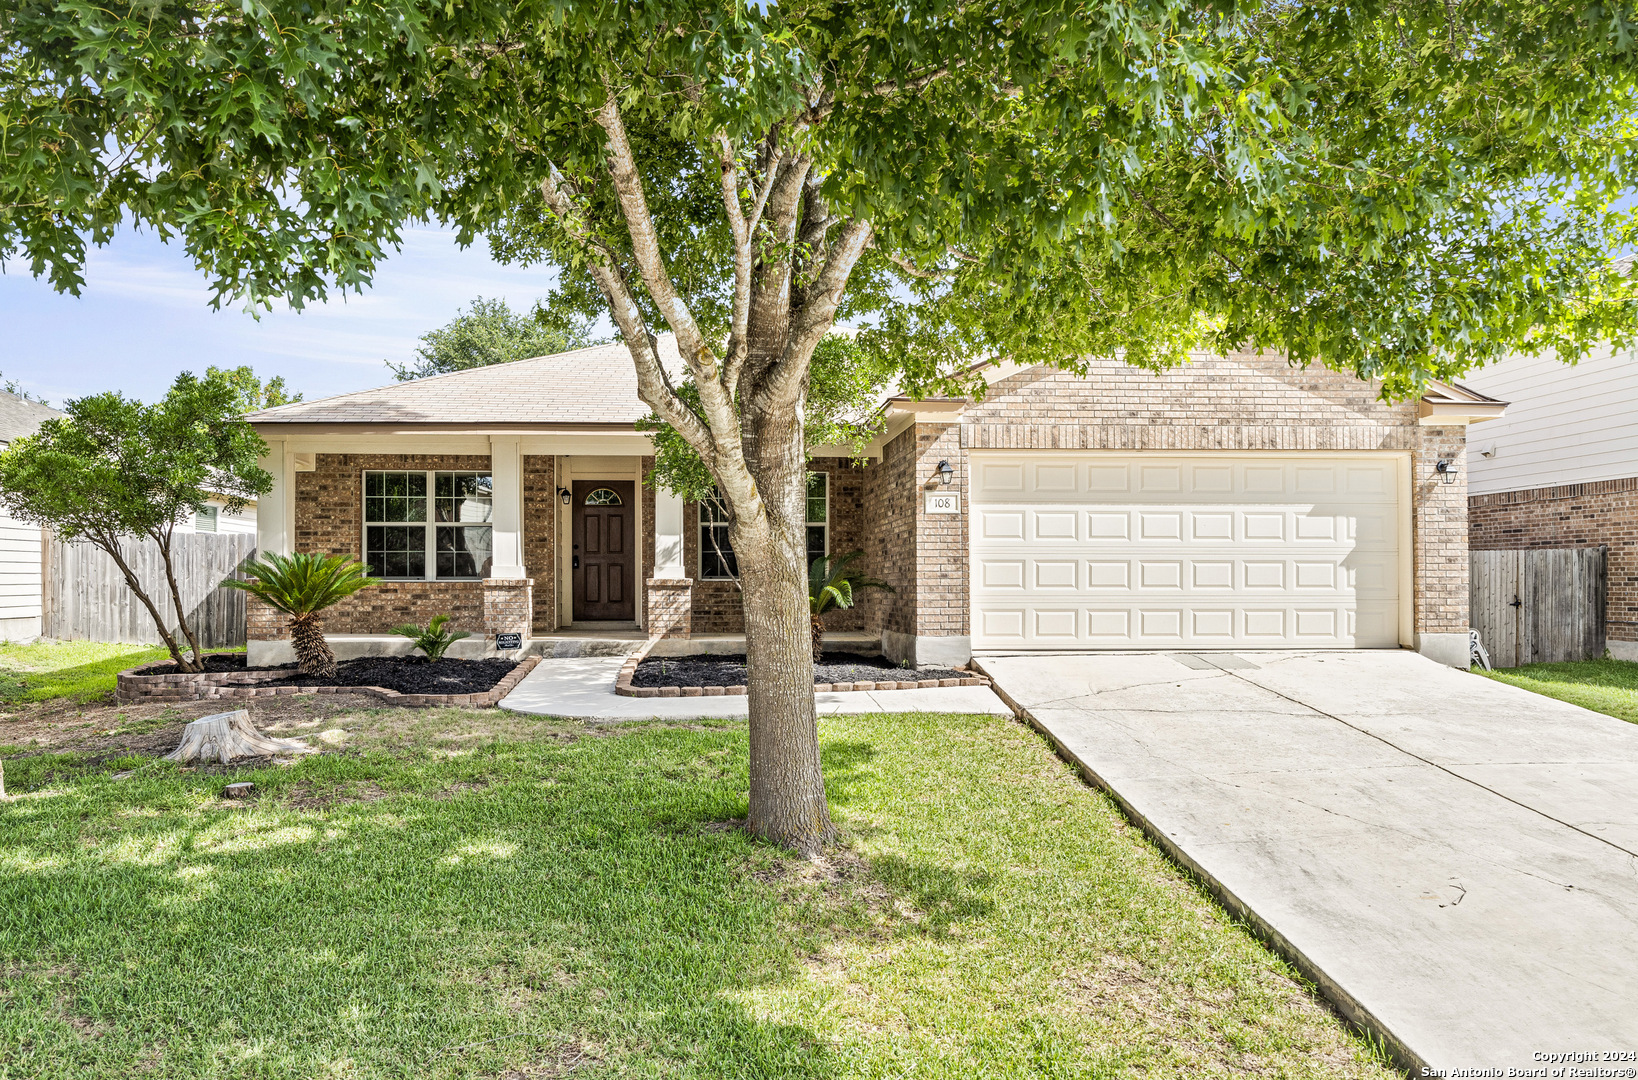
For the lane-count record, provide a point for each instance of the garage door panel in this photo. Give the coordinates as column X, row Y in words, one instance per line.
column 1050, row 525
column 1103, row 550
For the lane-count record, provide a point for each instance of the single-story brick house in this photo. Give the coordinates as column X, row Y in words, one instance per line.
column 1235, row 502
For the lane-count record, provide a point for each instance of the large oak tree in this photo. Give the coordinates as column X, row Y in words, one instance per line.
column 1397, row 189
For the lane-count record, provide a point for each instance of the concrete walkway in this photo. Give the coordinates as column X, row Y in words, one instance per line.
column 583, row 689
column 1454, row 861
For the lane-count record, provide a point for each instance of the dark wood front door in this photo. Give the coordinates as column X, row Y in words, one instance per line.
column 604, row 557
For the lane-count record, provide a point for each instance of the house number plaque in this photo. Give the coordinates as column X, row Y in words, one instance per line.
column 942, row 502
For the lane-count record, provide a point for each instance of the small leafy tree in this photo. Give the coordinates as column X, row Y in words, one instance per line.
column 434, row 639
column 832, row 585
column 492, row 333
column 112, row 470
column 301, row 586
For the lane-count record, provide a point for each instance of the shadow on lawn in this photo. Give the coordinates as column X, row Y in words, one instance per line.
column 468, row 915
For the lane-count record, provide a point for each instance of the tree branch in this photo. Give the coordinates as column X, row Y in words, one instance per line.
column 653, row 384
column 816, row 317
column 723, row 443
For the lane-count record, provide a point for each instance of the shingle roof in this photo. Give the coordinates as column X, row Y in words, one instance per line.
column 19, row 416
column 595, row 385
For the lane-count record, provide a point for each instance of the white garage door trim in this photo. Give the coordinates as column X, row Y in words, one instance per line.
column 1092, row 549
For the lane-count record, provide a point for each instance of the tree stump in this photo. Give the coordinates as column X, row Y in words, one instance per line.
column 229, row 737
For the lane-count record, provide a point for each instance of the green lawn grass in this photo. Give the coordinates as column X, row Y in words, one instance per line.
column 80, row 670
column 1606, row 686
column 570, row 899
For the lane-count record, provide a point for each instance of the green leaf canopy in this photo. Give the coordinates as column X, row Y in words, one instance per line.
column 1398, row 189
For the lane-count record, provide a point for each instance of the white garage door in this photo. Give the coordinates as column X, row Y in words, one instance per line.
column 1133, row 551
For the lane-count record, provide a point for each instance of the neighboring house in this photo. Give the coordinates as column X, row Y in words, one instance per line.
column 215, row 518
column 1232, row 503
column 1561, row 469
column 20, row 555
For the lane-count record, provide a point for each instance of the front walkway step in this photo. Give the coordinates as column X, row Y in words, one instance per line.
column 583, row 689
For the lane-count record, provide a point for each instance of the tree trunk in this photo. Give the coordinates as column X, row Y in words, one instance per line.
column 313, row 655
column 164, row 541
column 818, row 626
column 229, row 737
column 787, row 790
column 183, row 663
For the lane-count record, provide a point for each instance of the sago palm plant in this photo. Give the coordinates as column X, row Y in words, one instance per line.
column 831, row 585
column 301, row 586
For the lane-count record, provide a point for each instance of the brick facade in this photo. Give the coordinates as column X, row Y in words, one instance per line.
column 669, row 607
column 1603, row 512
column 1440, row 539
column 716, row 605
column 507, row 608
column 540, row 536
column 329, row 519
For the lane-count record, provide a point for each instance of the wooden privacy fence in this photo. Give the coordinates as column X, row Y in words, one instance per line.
column 86, row 596
column 1538, row 605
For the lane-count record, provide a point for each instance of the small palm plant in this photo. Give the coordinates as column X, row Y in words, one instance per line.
column 434, row 639
column 832, row 585
column 301, row 586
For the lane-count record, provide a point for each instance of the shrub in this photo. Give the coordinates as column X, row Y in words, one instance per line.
column 435, row 638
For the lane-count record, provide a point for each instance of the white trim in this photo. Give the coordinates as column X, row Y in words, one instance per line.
column 272, row 516
column 506, row 513
column 1405, row 475
column 826, row 523
column 478, row 442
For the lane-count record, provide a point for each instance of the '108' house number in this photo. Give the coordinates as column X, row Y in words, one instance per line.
column 939, row 502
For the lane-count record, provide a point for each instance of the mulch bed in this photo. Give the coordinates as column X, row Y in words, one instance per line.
column 405, row 674
column 833, row 670
column 395, row 680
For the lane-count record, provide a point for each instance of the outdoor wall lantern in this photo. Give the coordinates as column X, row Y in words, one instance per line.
column 1446, row 470
column 945, row 473
column 564, row 494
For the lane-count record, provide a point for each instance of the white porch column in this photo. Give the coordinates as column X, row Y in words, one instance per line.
column 668, row 535
column 506, row 469
column 273, row 525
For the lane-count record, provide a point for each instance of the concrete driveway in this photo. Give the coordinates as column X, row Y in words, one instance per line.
column 1453, row 861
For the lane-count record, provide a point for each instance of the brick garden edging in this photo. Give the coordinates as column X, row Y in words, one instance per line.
column 134, row 687
column 623, row 687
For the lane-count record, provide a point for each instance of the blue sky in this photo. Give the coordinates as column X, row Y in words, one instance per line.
column 145, row 315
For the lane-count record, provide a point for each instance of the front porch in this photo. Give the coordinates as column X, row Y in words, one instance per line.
column 535, row 544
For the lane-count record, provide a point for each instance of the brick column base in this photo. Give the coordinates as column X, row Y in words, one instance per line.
column 670, row 607
column 508, row 608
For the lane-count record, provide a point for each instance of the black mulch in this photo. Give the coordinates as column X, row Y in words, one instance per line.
column 707, row 670
column 405, row 674
column 232, row 661
column 415, row 675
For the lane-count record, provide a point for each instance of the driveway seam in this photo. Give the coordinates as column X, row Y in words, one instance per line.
column 1412, row 754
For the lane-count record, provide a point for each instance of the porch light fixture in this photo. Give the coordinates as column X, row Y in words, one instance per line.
column 945, row 473
column 565, row 495
column 1446, row 470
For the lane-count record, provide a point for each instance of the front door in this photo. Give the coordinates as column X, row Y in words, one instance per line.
column 604, row 558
